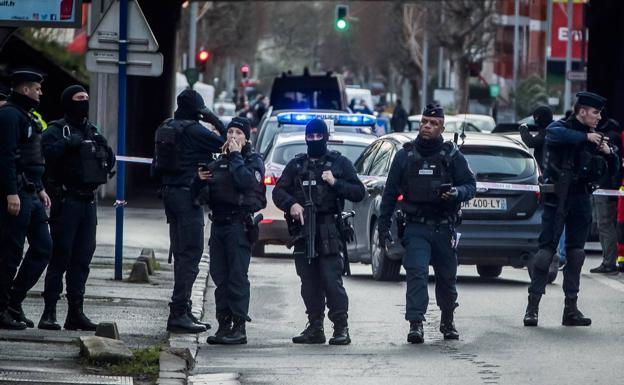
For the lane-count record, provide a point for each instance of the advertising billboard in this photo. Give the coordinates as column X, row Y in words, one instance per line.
column 559, row 30
column 40, row 13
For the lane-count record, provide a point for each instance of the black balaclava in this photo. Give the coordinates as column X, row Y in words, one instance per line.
column 75, row 110
column 190, row 105
column 317, row 148
column 542, row 116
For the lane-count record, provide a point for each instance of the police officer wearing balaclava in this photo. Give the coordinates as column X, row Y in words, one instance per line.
column 542, row 116
column 235, row 184
column 79, row 161
column 23, row 199
column 181, row 145
column 434, row 178
column 575, row 159
column 329, row 178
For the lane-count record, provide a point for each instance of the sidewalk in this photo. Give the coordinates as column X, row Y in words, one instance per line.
column 140, row 310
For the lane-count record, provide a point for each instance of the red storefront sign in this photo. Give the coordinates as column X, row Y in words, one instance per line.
column 559, row 31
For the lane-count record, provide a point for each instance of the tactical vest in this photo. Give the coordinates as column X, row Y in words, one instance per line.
column 422, row 179
column 223, row 191
column 167, row 142
column 310, row 183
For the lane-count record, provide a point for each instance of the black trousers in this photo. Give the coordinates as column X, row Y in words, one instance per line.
column 186, row 234
column 31, row 223
column 73, row 223
column 321, row 283
column 230, row 255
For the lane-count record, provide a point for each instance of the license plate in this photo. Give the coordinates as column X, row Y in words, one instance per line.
column 485, row 204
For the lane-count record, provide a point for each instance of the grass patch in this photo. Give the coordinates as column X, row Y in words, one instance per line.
column 143, row 367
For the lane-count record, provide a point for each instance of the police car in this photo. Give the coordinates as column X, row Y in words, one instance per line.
column 349, row 134
column 500, row 225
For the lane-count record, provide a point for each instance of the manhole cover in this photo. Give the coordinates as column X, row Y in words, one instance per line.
column 61, row 378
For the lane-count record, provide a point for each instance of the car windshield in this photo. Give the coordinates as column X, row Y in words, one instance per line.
column 495, row 163
column 284, row 153
column 271, row 128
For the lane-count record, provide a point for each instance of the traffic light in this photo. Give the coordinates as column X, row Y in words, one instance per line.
column 244, row 71
column 202, row 58
column 342, row 24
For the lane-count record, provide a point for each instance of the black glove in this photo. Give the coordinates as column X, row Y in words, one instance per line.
column 74, row 140
column 385, row 237
column 100, row 140
column 523, row 128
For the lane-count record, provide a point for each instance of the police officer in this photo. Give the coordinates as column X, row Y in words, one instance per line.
column 324, row 178
column 575, row 159
column 23, row 199
column 235, row 191
column 542, row 116
column 79, row 160
column 182, row 143
column 434, row 178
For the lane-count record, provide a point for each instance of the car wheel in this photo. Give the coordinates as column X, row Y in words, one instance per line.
column 258, row 250
column 384, row 269
column 489, row 271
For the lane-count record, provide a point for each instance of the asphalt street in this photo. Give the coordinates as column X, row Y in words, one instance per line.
column 494, row 347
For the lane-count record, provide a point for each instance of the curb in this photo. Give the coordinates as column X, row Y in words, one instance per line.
column 179, row 359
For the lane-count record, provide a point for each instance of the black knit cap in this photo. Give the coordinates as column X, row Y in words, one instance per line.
column 242, row 124
column 542, row 115
column 433, row 111
column 317, row 126
column 590, row 99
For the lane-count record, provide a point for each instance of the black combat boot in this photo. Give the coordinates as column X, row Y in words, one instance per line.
column 225, row 327
column 238, row 334
column 416, row 334
column 447, row 326
column 16, row 311
column 48, row 318
column 180, row 322
column 314, row 333
column 76, row 319
column 195, row 320
column 341, row 333
column 8, row 322
column 530, row 316
column 572, row 316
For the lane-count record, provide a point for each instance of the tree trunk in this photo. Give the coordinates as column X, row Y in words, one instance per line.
column 415, row 99
column 462, row 71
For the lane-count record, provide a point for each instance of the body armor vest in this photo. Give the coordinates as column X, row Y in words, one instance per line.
column 310, row 183
column 29, row 147
column 422, row 181
column 223, row 191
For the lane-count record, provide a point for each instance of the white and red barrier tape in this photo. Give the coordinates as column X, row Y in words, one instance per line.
column 482, row 185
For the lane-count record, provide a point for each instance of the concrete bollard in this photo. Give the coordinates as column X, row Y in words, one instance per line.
column 139, row 273
column 149, row 253
column 148, row 262
column 107, row 330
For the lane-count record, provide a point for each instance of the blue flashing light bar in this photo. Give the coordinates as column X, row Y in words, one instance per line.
column 341, row 120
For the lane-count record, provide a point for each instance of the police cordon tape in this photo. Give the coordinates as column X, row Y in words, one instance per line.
column 480, row 185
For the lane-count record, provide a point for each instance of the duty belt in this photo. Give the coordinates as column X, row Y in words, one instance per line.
column 82, row 195
column 427, row 221
column 226, row 219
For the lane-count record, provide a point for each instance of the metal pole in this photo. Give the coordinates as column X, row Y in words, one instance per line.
column 192, row 34
column 425, row 71
column 121, row 137
column 548, row 37
column 515, row 55
column 567, row 93
column 440, row 67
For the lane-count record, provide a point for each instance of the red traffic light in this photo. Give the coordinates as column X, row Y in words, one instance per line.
column 244, row 69
column 203, row 55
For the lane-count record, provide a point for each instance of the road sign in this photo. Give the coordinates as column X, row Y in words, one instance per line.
column 577, row 76
column 138, row 63
column 140, row 36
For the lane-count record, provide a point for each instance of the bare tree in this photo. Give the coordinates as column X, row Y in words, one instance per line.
column 466, row 29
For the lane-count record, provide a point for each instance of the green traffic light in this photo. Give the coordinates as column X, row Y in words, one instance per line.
column 341, row 24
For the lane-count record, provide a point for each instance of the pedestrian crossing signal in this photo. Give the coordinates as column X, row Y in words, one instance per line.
column 341, row 17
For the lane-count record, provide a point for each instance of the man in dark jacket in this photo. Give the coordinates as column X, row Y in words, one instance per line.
column 320, row 180
column 193, row 145
column 605, row 207
column 434, row 178
column 79, row 161
column 23, row 199
column 399, row 117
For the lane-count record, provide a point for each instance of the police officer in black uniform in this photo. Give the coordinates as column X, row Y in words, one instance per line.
column 329, row 178
column 23, row 199
column 79, row 161
column 434, row 178
column 576, row 158
column 235, row 191
column 176, row 162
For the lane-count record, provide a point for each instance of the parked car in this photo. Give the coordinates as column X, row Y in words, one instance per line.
column 286, row 145
column 485, row 123
column 499, row 228
column 451, row 124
